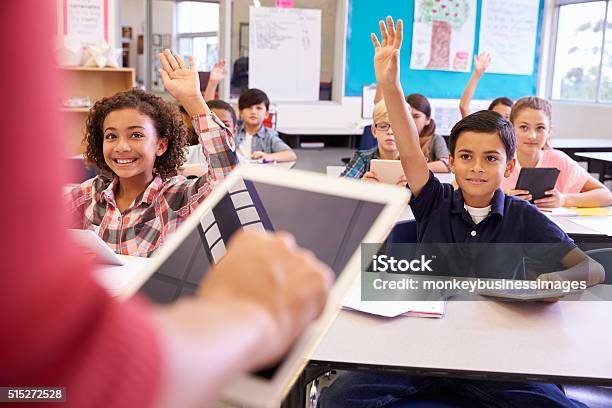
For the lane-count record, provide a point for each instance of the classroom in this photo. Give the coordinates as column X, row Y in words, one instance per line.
column 307, row 203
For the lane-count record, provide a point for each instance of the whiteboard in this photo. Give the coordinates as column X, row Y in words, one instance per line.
column 285, row 53
column 508, row 31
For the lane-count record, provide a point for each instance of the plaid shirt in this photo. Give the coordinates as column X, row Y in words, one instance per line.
column 164, row 204
column 360, row 163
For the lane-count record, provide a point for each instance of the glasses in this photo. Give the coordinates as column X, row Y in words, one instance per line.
column 383, row 126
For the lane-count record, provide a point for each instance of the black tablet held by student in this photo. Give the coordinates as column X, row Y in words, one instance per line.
column 537, row 180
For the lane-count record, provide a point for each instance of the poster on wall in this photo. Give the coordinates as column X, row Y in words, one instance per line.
column 285, row 52
column 86, row 21
column 443, row 35
column 503, row 25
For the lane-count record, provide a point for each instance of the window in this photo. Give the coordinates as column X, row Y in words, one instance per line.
column 583, row 63
column 197, row 32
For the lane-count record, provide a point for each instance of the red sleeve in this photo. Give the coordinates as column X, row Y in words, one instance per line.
column 58, row 327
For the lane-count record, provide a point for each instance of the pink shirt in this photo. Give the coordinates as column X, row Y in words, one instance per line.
column 572, row 177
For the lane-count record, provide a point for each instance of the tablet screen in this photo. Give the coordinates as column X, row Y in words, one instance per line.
column 330, row 226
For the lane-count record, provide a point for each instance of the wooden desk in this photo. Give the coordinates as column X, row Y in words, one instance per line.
column 597, row 162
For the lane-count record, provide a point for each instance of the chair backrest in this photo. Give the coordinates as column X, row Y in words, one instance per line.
column 604, row 257
column 368, row 140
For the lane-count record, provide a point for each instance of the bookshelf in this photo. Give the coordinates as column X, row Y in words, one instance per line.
column 96, row 83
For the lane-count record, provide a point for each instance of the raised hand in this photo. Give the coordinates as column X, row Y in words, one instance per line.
column 387, row 52
column 482, row 62
column 218, row 71
column 182, row 82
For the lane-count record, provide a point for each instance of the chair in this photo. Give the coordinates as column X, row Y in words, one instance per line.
column 604, row 257
column 368, row 140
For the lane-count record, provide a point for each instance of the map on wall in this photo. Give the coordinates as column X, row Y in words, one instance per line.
column 443, row 35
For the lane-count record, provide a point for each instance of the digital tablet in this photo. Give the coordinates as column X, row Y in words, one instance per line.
column 537, row 180
column 328, row 216
column 527, row 294
column 92, row 243
column 387, row 171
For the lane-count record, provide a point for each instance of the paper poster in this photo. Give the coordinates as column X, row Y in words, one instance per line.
column 284, row 3
column 86, row 21
column 285, row 53
column 508, row 31
column 443, row 35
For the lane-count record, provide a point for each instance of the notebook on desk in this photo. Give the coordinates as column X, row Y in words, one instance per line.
column 393, row 308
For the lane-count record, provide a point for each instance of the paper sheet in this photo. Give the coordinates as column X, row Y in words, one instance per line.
column 508, row 31
column 285, row 52
column 393, row 308
column 601, row 225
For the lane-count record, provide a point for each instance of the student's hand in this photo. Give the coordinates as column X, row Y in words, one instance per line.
column 269, row 273
column 555, row 199
column 550, row 277
column 524, row 194
column 261, row 155
column 387, row 53
column 482, row 62
column 182, row 82
column 218, row 71
column 370, row 177
column 401, row 181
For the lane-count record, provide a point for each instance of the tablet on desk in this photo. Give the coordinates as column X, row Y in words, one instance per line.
column 387, row 171
column 527, row 294
column 91, row 242
column 537, row 180
column 329, row 216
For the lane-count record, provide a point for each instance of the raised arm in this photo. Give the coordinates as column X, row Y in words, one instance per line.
column 217, row 144
column 386, row 65
column 481, row 63
column 182, row 82
column 580, row 267
column 378, row 96
column 217, row 74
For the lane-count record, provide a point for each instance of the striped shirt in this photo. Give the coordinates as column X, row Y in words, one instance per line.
column 164, row 204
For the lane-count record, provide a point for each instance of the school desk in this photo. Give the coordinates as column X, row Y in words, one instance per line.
column 567, row 342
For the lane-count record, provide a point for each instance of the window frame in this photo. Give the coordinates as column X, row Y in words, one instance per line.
column 553, row 53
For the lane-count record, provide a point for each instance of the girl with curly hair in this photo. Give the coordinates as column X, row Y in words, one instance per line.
column 139, row 140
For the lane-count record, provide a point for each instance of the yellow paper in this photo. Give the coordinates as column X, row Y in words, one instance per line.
column 594, row 211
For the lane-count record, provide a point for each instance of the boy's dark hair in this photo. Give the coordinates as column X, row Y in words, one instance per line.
column 165, row 116
column 219, row 104
column 501, row 101
column 252, row 97
column 485, row 121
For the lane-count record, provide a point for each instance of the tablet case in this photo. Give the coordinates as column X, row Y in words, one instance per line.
column 537, row 180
